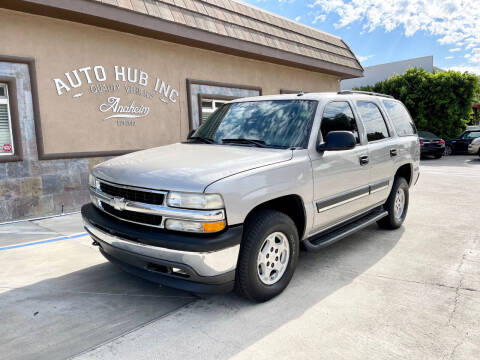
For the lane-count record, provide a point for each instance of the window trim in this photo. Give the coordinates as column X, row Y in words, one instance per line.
column 15, row 128
column 391, row 120
column 320, row 135
column 389, row 131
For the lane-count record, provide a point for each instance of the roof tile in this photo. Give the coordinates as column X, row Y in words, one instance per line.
column 245, row 22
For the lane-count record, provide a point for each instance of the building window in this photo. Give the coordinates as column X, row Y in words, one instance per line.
column 6, row 135
column 208, row 108
column 204, row 97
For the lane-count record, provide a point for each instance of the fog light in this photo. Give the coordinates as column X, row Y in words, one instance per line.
column 194, row 226
column 183, row 225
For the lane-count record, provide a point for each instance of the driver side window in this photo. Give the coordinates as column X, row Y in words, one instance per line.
column 338, row 116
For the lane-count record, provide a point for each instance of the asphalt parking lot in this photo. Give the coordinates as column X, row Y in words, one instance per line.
column 413, row 293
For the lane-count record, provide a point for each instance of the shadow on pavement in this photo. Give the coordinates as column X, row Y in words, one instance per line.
column 67, row 315
column 63, row 316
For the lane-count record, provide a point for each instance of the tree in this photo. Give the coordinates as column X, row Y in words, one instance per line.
column 440, row 102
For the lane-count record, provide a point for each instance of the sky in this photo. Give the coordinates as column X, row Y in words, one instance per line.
column 391, row 30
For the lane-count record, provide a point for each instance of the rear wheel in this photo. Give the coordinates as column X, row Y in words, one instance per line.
column 268, row 255
column 396, row 205
column 437, row 156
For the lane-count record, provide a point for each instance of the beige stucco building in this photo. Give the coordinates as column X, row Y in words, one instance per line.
column 81, row 80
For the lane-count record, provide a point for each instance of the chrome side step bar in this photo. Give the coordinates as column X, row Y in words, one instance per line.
column 331, row 236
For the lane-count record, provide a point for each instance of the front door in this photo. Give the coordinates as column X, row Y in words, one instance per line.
column 341, row 178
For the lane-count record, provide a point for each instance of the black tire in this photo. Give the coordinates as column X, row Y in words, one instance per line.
column 437, row 156
column 257, row 228
column 391, row 221
column 448, row 150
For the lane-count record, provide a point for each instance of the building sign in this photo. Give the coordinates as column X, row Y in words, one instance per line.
column 114, row 89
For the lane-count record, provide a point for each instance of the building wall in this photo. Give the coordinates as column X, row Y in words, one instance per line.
column 75, row 127
column 377, row 73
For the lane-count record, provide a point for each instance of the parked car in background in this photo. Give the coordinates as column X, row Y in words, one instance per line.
column 431, row 144
column 461, row 143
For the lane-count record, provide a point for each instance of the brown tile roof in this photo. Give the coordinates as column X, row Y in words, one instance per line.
column 248, row 23
column 221, row 25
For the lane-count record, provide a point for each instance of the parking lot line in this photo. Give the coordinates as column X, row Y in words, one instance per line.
column 61, row 238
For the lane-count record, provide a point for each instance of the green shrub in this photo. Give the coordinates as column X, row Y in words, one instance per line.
column 440, row 102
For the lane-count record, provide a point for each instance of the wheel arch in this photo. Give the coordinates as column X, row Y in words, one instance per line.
column 406, row 171
column 291, row 205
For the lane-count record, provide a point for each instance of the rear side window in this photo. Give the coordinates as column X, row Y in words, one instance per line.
column 401, row 119
column 338, row 116
column 373, row 121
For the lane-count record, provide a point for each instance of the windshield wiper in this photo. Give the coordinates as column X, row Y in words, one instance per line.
column 259, row 143
column 201, row 139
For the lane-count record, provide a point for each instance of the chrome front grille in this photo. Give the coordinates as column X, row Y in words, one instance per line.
column 144, row 206
column 129, row 193
column 133, row 216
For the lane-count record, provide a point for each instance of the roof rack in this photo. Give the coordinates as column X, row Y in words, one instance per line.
column 349, row 92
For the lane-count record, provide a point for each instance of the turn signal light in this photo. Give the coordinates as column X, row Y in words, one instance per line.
column 214, row 226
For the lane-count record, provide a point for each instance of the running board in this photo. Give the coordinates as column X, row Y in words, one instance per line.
column 329, row 237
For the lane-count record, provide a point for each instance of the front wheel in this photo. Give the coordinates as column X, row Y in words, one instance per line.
column 448, row 150
column 268, row 255
column 396, row 205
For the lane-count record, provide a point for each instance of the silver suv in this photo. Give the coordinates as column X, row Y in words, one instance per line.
column 230, row 207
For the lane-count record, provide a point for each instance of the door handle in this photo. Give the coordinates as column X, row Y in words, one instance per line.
column 364, row 160
column 393, row 152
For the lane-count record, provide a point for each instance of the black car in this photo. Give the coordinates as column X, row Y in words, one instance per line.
column 460, row 144
column 431, row 144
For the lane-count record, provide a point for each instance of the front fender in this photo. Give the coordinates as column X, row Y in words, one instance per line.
column 245, row 191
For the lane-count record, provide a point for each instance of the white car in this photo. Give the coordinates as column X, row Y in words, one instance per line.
column 474, row 147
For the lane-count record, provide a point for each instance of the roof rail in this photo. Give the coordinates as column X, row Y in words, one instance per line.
column 349, row 92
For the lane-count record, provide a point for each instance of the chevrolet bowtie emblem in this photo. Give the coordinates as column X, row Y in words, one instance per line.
column 119, row 203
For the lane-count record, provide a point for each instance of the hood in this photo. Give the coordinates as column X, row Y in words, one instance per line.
column 186, row 167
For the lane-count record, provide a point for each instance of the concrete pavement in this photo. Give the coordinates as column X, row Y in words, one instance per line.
column 413, row 293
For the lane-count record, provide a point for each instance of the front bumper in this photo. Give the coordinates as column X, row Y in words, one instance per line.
column 190, row 262
column 474, row 149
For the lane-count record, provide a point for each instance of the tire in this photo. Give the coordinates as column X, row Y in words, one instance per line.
column 438, row 156
column 448, row 150
column 260, row 226
column 394, row 219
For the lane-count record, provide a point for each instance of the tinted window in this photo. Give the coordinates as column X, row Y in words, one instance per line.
column 373, row 121
column 402, row 122
column 338, row 116
column 279, row 123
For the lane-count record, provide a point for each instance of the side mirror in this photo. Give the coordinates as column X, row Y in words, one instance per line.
column 191, row 132
column 338, row 140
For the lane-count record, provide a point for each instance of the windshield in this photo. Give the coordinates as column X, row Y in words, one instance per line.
column 471, row 135
column 274, row 123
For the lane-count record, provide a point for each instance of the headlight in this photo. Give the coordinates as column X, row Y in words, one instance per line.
column 194, row 226
column 195, row 201
column 92, row 181
column 476, row 141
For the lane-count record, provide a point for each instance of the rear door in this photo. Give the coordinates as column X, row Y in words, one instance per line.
column 381, row 149
column 340, row 178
